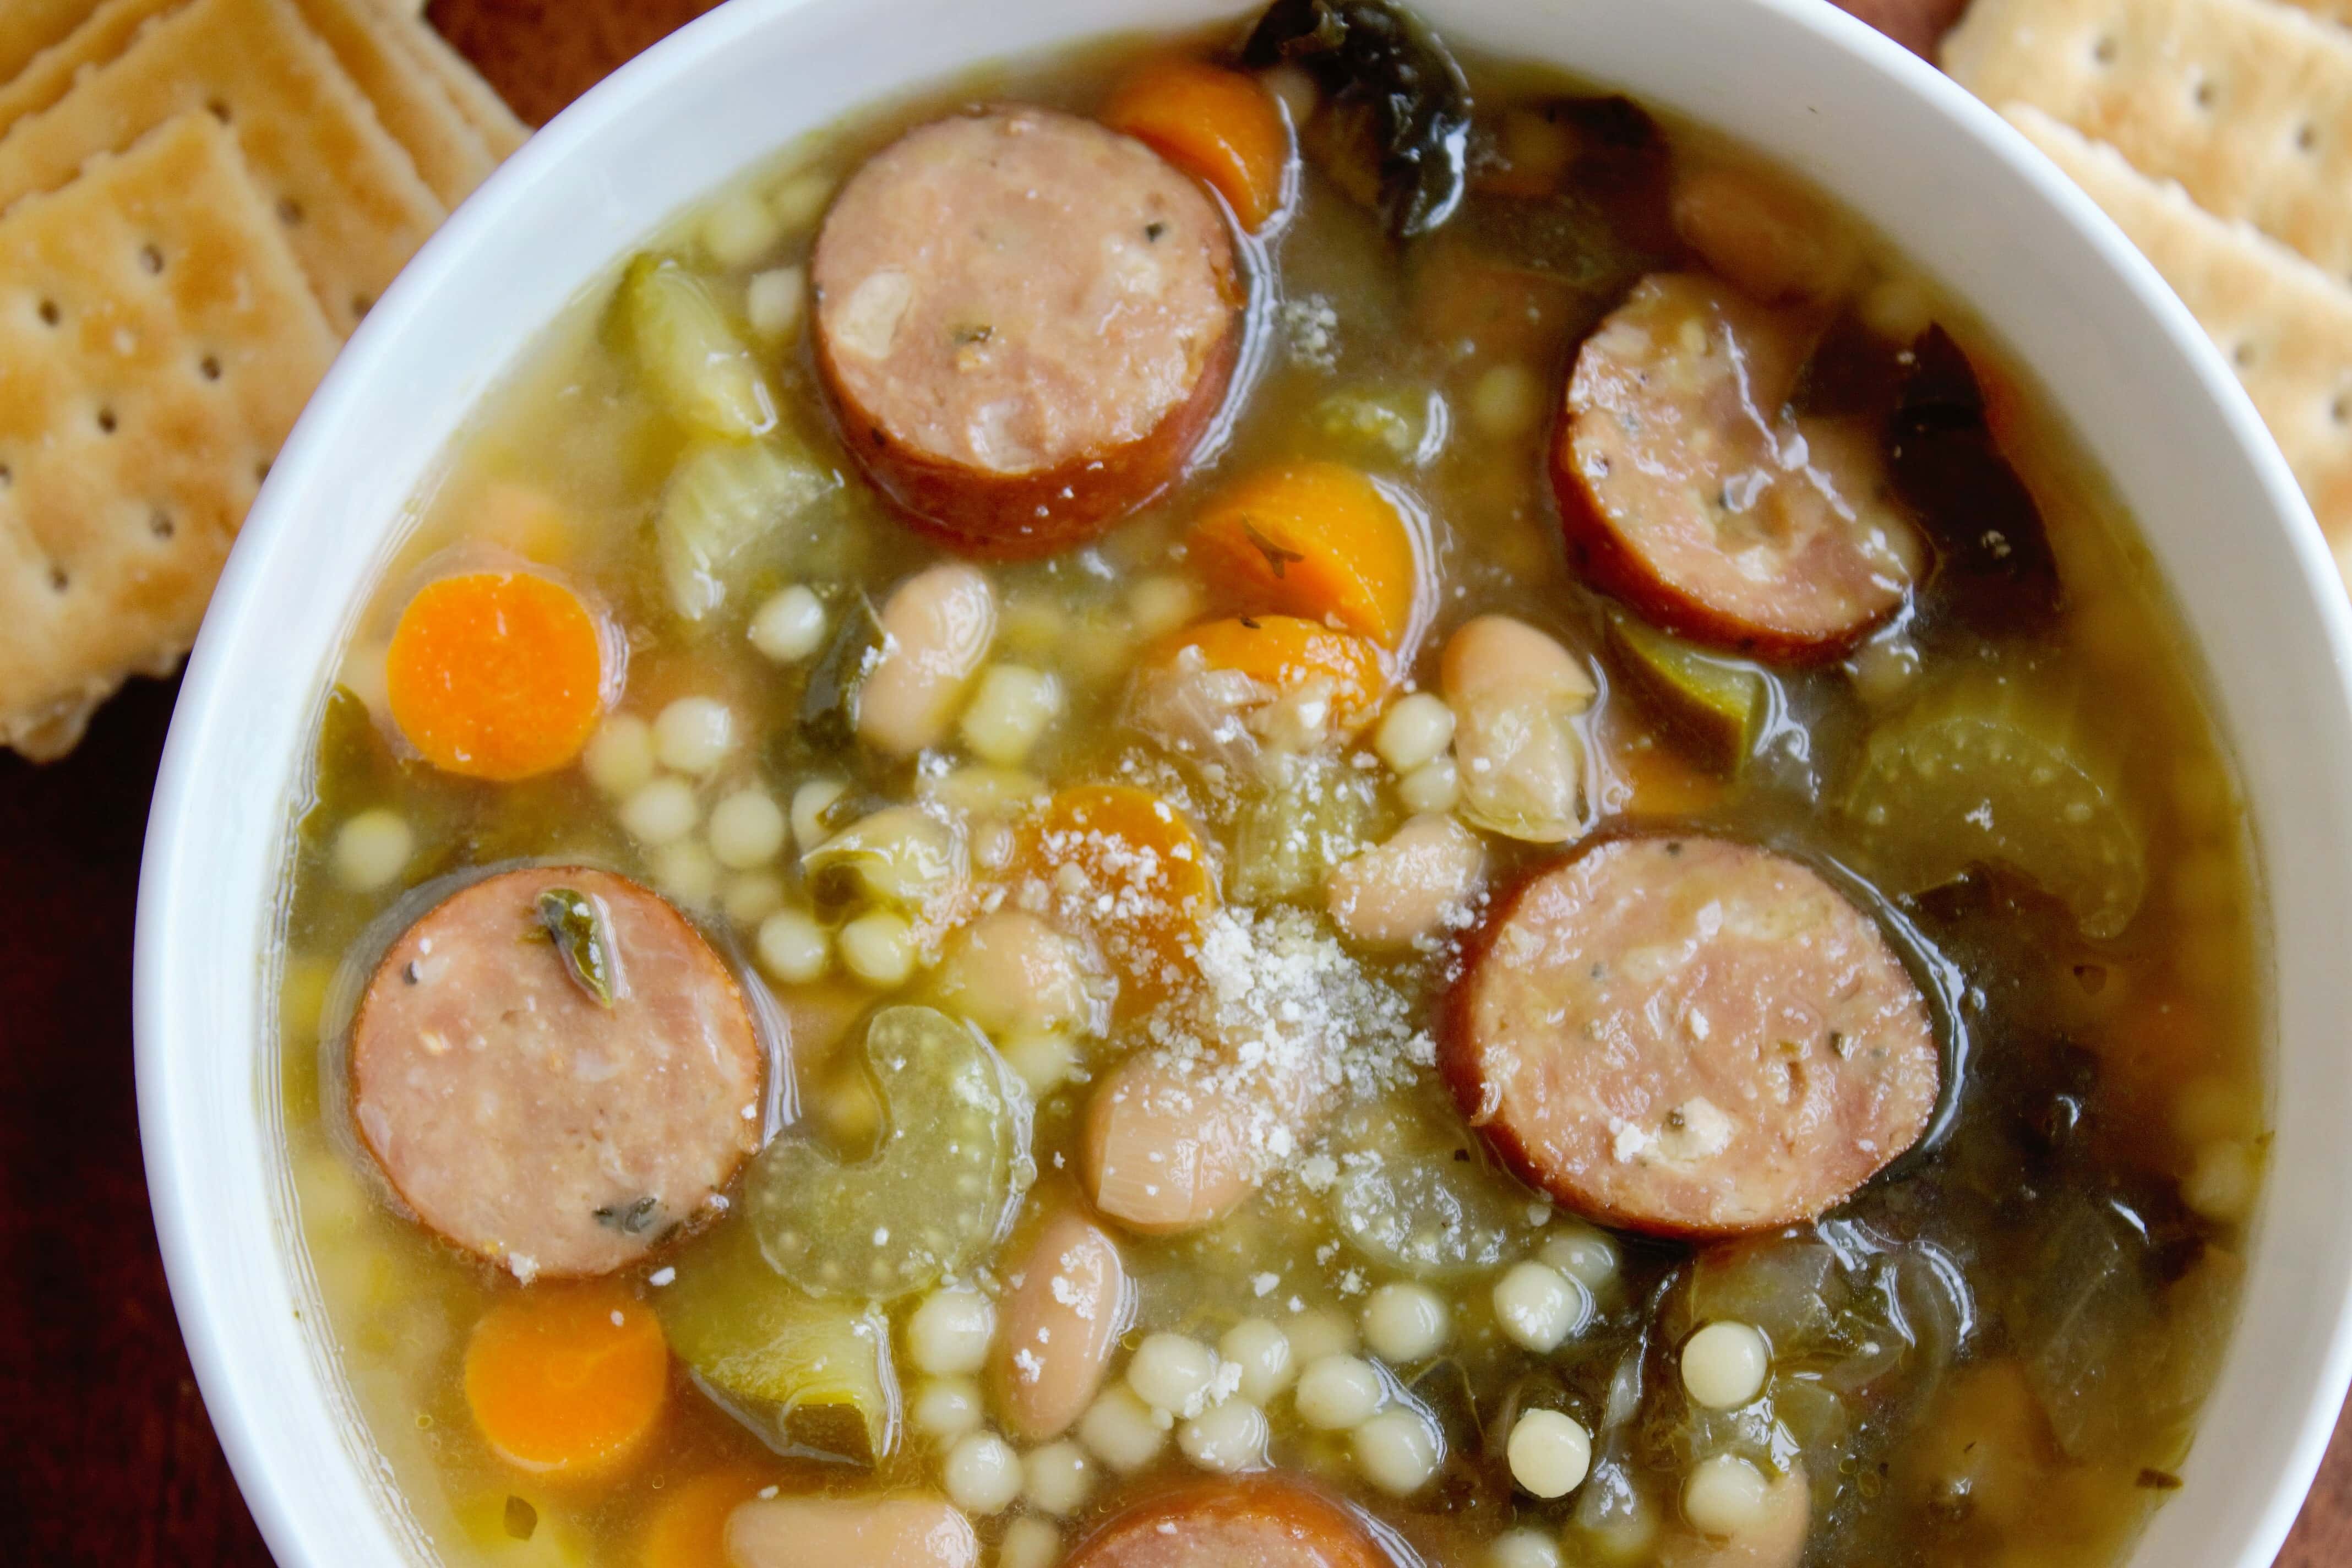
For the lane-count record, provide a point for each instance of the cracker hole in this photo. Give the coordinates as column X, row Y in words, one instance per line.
column 2242, row 355
column 362, row 304
column 7, row 476
column 289, row 210
column 50, row 314
column 2340, row 410
column 59, row 581
column 2205, row 93
column 105, row 421
column 261, row 471
column 209, row 367
column 151, row 259
column 160, row 524
column 2306, row 137
column 219, row 108
column 2103, row 51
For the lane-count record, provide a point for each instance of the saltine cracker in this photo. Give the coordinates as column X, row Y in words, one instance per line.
column 2245, row 102
column 2284, row 326
column 157, row 340
column 348, row 195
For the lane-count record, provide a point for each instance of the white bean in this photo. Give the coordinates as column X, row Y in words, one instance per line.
column 1010, row 971
column 1416, row 885
column 936, row 630
column 1406, row 1322
column 1060, row 1322
column 694, row 734
column 950, row 1331
column 1515, row 693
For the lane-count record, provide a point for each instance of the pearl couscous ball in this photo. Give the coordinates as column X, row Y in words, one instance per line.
column 1723, row 1496
column 1724, row 1366
column 1225, row 1438
column 1338, row 1392
column 373, row 848
column 1537, row 1306
column 1548, row 1452
column 1057, row 1479
column 1263, row 1353
column 1397, row 1450
column 983, row 1474
column 747, row 829
column 1406, row 1322
column 950, row 1331
column 1172, row 1372
column 694, row 734
column 1120, row 1430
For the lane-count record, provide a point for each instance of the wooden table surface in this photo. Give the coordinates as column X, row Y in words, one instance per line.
column 113, row 1459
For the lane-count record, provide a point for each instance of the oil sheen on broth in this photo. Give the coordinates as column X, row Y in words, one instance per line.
column 1504, row 923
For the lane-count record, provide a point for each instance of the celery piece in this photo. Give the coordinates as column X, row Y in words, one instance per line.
column 695, row 365
column 725, row 497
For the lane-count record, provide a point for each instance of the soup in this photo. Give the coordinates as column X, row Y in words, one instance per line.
column 1262, row 798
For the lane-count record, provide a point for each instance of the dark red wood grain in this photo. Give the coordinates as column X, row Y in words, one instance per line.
column 109, row 1457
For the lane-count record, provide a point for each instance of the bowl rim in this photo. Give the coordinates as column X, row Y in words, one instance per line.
column 229, row 1373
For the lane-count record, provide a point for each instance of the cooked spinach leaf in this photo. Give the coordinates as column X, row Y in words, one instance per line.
column 573, row 923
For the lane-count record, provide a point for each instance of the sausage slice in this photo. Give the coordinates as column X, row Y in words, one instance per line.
column 1026, row 322
column 521, row 1116
column 1258, row 1522
column 1689, row 1037
column 1686, row 491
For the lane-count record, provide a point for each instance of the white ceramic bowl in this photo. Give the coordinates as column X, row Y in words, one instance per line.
column 2151, row 399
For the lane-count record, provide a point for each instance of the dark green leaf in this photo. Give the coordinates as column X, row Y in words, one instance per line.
column 571, row 921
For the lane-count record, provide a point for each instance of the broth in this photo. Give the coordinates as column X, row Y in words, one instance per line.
column 1994, row 1351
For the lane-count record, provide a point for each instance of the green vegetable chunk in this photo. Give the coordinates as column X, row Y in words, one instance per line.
column 1714, row 707
column 726, row 497
column 1417, row 1192
column 930, row 1199
column 1315, row 814
column 815, row 1375
column 576, row 926
column 1989, row 770
column 693, row 365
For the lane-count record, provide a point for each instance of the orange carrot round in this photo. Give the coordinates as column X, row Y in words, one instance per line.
column 567, row 1380
column 1131, row 847
column 1215, row 124
column 495, row 675
column 688, row 1526
column 1315, row 540
column 1285, row 652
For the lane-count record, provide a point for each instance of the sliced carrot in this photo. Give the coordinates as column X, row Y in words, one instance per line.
column 1128, row 865
column 567, row 1380
column 1315, row 540
column 688, row 1526
column 1287, row 652
column 1216, row 124
column 495, row 675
